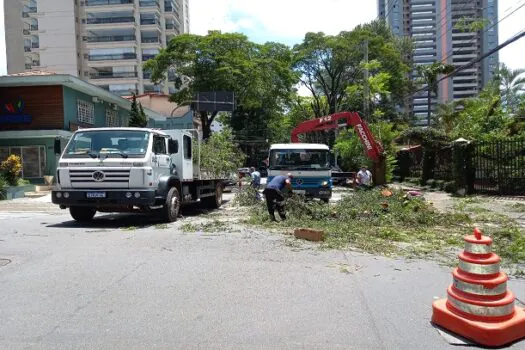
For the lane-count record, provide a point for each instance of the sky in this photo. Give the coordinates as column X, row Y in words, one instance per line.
column 287, row 21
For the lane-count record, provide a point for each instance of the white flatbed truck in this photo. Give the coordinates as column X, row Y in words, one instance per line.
column 130, row 170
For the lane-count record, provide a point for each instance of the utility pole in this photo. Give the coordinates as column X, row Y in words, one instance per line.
column 365, row 85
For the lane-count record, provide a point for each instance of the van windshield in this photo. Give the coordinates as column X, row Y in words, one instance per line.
column 108, row 143
column 300, row 159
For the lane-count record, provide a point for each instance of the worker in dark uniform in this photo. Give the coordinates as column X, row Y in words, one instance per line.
column 274, row 195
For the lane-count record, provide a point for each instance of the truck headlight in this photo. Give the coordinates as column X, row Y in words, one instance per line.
column 325, row 183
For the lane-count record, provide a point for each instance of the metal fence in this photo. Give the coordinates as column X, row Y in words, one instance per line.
column 499, row 167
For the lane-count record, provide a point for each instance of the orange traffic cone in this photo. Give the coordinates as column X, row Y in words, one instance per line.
column 478, row 305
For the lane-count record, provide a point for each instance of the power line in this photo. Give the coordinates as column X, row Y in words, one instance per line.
column 451, row 52
column 476, row 60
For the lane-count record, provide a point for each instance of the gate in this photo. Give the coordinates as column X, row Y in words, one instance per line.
column 499, row 167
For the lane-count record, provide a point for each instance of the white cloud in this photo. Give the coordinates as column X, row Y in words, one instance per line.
column 288, row 20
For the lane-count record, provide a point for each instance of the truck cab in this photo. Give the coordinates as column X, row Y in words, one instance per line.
column 131, row 169
column 309, row 163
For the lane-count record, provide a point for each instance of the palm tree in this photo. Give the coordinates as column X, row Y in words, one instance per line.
column 429, row 75
column 512, row 84
column 446, row 115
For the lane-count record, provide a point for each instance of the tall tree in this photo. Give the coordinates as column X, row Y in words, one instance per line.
column 512, row 85
column 328, row 64
column 257, row 74
column 429, row 75
column 137, row 116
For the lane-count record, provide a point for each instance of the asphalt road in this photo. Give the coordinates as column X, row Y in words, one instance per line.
column 125, row 282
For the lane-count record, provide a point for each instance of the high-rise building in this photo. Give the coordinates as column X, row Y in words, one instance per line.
column 104, row 42
column 449, row 31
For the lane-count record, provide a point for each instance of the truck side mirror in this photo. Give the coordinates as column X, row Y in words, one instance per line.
column 173, row 146
column 57, row 146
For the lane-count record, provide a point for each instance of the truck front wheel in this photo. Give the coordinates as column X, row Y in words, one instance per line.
column 171, row 208
column 82, row 214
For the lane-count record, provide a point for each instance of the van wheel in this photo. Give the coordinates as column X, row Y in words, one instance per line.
column 171, row 208
column 215, row 201
column 82, row 214
column 326, row 200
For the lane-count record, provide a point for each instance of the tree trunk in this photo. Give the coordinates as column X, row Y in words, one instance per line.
column 206, row 125
column 429, row 101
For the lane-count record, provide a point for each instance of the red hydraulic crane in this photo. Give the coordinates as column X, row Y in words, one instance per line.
column 374, row 150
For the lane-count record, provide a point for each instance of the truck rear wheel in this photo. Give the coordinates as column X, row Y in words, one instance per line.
column 171, row 208
column 82, row 214
column 215, row 201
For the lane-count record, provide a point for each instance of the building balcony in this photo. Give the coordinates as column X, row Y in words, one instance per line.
column 27, row 49
column 103, row 5
column 150, row 88
column 147, row 22
column 110, row 20
column 110, row 40
column 26, row 32
column 150, row 40
column 113, row 75
column 113, row 57
column 149, row 6
column 147, row 57
column 91, row 3
column 109, row 23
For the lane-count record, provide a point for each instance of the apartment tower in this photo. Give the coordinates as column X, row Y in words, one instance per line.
column 104, row 42
column 450, row 31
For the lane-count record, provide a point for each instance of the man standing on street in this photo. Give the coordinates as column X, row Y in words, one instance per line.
column 364, row 178
column 256, row 180
column 274, row 196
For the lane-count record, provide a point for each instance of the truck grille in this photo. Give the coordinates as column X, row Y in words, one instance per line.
column 100, row 177
column 306, row 181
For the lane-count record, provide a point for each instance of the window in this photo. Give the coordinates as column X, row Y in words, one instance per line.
column 111, row 117
column 85, row 112
column 159, row 145
column 113, row 143
column 187, row 147
column 34, row 162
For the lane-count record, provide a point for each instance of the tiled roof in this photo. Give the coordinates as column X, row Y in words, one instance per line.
column 32, row 73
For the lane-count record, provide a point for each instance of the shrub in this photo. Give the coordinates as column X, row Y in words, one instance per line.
column 11, row 169
column 431, row 183
column 450, row 186
column 3, row 185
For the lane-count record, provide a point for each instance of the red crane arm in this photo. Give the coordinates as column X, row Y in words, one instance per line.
column 373, row 149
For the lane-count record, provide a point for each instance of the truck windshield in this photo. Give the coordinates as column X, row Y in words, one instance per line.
column 108, row 143
column 300, row 159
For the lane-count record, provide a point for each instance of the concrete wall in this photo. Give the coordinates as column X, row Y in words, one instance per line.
column 14, row 39
column 70, row 110
column 58, row 40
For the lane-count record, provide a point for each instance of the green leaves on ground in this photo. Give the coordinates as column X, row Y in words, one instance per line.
column 411, row 227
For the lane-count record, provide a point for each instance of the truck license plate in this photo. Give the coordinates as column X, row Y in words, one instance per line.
column 96, row 194
column 299, row 191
